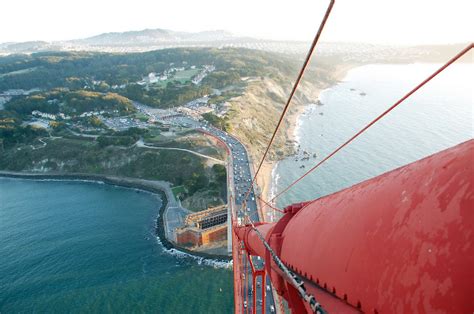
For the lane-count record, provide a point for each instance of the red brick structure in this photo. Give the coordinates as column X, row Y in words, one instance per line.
column 203, row 228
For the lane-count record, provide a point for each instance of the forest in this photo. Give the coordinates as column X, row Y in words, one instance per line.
column 80, row 74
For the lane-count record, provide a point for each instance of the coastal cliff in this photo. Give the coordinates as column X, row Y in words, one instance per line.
column 255, row 114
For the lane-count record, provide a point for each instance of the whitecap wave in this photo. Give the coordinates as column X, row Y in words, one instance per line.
column 215, row 263
column 297, row 131
column 58, row 179
column 112, row 184
column 274, row 181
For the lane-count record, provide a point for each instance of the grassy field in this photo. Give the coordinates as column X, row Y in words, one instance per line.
column 186, row 75
column 187, row 172
column 140, row 116
column 178, row 190
column 182, row 77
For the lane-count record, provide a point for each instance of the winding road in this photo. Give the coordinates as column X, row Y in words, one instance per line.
column 140, row 143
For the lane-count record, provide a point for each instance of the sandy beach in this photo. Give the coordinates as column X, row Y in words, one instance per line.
column 264, row 179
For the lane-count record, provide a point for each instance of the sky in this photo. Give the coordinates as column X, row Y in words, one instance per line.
column 370, row 21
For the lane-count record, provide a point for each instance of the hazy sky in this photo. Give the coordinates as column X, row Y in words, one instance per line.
column 374, row 21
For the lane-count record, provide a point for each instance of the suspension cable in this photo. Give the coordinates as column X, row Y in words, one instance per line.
column 447, row 64
column 290, row 98
column 270, row 205
column 294, row 280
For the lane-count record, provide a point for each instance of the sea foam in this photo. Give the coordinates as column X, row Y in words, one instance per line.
column 215, row 263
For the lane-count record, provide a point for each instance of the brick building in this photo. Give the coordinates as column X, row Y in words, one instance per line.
column 204, row 227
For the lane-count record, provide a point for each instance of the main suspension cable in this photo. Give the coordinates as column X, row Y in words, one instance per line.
column 292, row 278
column 270, row 205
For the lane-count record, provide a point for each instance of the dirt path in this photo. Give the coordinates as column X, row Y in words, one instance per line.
column 140, row 143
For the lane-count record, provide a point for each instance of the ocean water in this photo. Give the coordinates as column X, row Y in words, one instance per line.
column 439, row 116
column 76, row 247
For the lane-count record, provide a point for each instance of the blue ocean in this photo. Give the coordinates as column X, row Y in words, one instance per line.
column 439, row 116
column 76, row 247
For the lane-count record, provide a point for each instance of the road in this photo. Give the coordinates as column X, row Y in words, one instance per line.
column 240, row 178
column 174, row 214
column 140, row 143
column 240, row 181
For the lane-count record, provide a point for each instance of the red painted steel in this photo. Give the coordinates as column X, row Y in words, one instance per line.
column 400, row 242
column 237, row 269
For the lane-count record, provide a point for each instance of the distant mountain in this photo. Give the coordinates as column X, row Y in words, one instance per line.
column 155, row 39
column 153, row 36
column 27, row 46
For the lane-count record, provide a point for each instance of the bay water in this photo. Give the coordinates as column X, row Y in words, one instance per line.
column 77, row 247
column 439, row 116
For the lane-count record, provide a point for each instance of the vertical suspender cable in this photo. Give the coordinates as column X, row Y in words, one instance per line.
column 295, row 86
column 441, row 69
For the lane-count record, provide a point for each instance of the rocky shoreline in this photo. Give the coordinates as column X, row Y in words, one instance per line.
column 144, row 185
column 312, row 92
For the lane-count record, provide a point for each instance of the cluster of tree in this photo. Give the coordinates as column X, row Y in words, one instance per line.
column 12, row 132
column 84, row 101
column 220, row 180
column 122, row 138
column 138, row 93
column 225, row 96
column 197, row 181
column 95, row 122
column 200, row 182
column 69, row 102
column 24, row 105
column 220, row 79
column 105, row 141
column 221, row 123
column 167, row 165
column 173, row 94
column 74, row 70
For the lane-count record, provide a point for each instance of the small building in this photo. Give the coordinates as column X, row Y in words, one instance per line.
column 203, row 228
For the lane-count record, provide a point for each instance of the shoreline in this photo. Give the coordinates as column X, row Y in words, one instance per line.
column 157, row 188
column 268, row 170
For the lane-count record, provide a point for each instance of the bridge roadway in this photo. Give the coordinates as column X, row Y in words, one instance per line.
column 240, row 178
